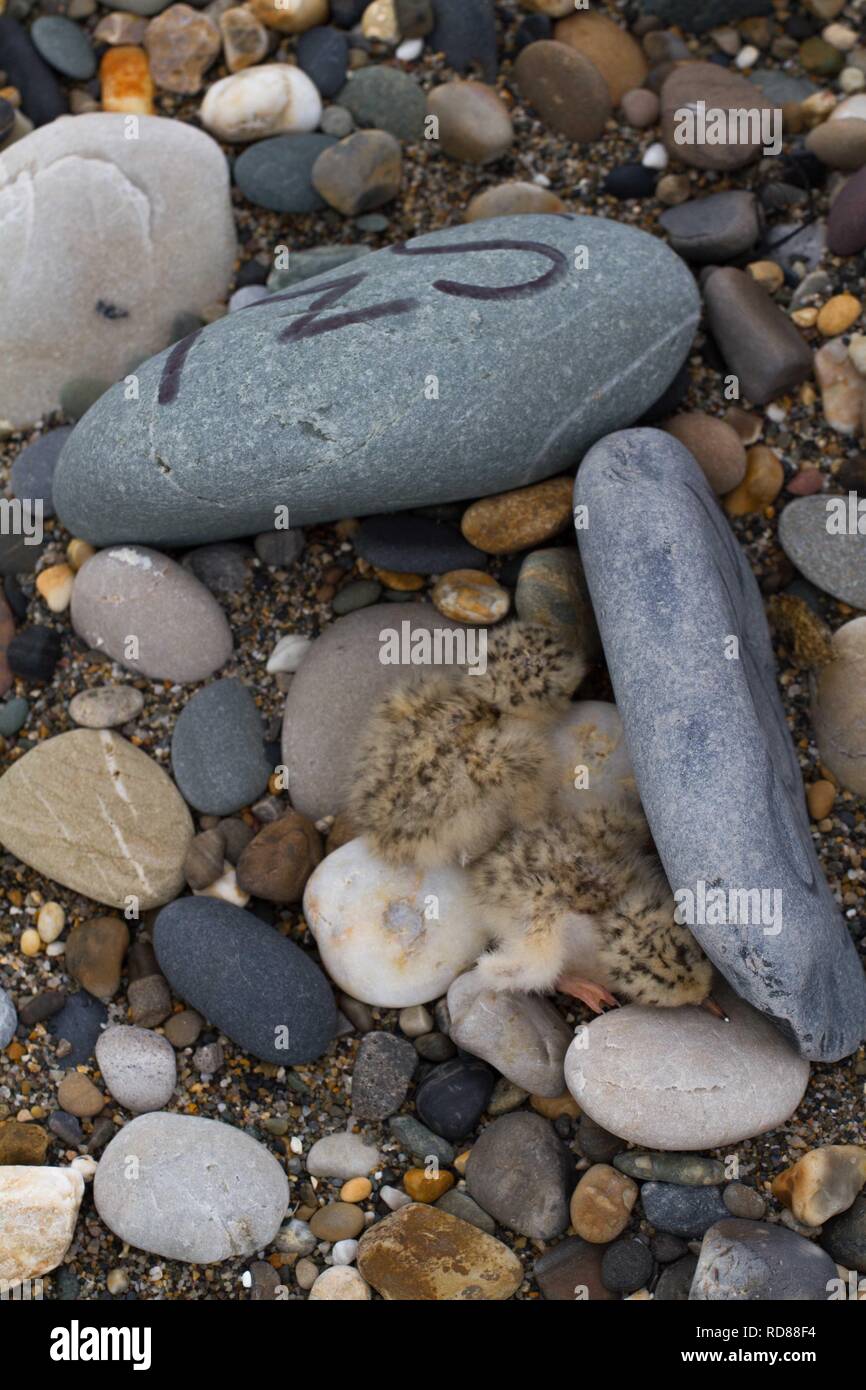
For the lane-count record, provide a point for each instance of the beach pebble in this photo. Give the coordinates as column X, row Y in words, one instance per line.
column 521, row 1173
column 34, row 652
column 823, row 1183
column 132, row 214
column 64, row 46
column 521, row 1035
column 720, row 89
column 359, row 173
column 687, row 1170
column 255, row 985
column 342, row 1155
column 217, row 753
column 13, row 716
column 474, row 124
column 609, row 46
column 519, row 520
column 106, row 706
column 54, row 585
column 337, row 1221
column 138, row 1067
column 551, row 590
column 386, row 99
column 78, row 1022
column 40, row 1209
column 640, row 107
column 244, row 38
column 421, row 1253
column 471, row 596
column 570, row 1270
column 384, row 1067
column 95, row 951
column 340, row 1283
column 420, row 1142
column 759, row 343
column 846, row 221
column 454, row 1096
column 838, row 706
column 78, row 1096
column 32, row 473
column 323, row 54
column 761, row 484
column 716, row 227
column 223, row 1195
column 65, row 804
column 682, row 1211
column 564, row 89
column 278, row 173
column 701, row 1095
column 602, row 1203
column 278, row 861
column 151, row 615
column 42, row 99
column 181, row 44
column 843, row 392
column 265, row 99
column 512, row 200
column 839, row 144
column 375, row 934
column 8, row 1019
column 815, row 534
column 844, row 1236
column 288, row 653
column 627, row 1265
column 714, row 444
column 755, row 1262
column 414, row 545
column 744, row 1201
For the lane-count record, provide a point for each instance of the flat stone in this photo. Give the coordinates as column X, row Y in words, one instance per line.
column 522, row 1173
column 716, row 770
column 106, row 706
column 420, row 1142
column 131, row 592
column 217, row 751
column 837, row 707
column 466, row 34
column 675, row 1282
column 204, row 1191
column 130, row 214
column 410, row 544
column 570, row 1270
column 551, row 590
column 64, row 46
column 258, row 987
column 720, row 89
column 306, row 402
column 618, row 57
column 815, row 535
column 460, row 1204
column 422, row 1254
column 387, row 99
column 32, row 475
column 715, row 446
column 759, row 343
column 342, row 1156
column 222, row 568
column 564, row 88
column 67, row 804
column 755, row 1262
column 384, row 1067
column 40, row 1209
column 514, row 199
column 277, row 173
column 363, row 171
column 521, row 1035
column 714, row 228
column 95, row 951
column 519, row 520
column 682, row 1079
column 317, row 260
column 8, row 1019
column 375, row 938
column 682, row 1211
column 138, row 1067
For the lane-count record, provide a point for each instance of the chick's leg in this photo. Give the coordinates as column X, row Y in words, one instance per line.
column 593, row 995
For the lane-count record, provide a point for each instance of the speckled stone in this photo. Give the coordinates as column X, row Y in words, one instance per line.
column 203, row 1191
column 217, row 753
column 422, row 1254
column 137, row 1066
column 522, row 1173
column 384, row 1067
column 716, row 770
column 834, row 559
column 352, row 444
column 758, row 1263
column 8, row 1019
column 682, row 1211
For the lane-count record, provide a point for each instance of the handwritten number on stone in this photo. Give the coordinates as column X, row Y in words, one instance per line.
column 558, row 269
column 311, row 325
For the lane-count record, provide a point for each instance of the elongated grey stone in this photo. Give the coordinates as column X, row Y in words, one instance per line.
column 718, row 776
column 462, row 363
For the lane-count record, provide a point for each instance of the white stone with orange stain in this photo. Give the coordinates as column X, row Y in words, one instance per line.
column 39, row 1208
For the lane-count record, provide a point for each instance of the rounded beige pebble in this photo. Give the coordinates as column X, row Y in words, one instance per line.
column 341, row 1283
column 821, row 797
column 55, row 586
column 512, row 200
column 356, row 1190
column 117, row 1281
column 602, row 1202
column 673, row 189
column 474, row 124
column 50, row 921
column 78, row 551
column 839, row 314
column 40, row 1208
column 106, row 706
column 715, row 445
column 768, row 274
column 31, row 942
column 640, row 107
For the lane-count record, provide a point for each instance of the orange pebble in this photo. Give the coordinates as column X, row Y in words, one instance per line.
column 126, row 82
column 423, row 1189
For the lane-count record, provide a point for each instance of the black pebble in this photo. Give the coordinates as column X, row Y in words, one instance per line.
column 323, row 54
column 347, row 12
column 34, row 653
column 630, row 181
column 80, row 1021
column 41, row 1006
column 7, row 118
column 41, row 96
column 252, row 272
column 453, row 1098
column 534, row 28
column 466, row 34
column 626, row 1265
column 675, row 1282
column 15, row 597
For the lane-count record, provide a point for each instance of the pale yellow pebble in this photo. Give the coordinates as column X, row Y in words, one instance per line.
column 817, row 107
column 461, row 1161
column 857, row 352
column 379, row 21
column 31, row 942
column 55, row 586
column 50, row 921
column 805, row 318
column 820, row 796
column 768, row 274
column 117, row 1281
column 356, row 1190
column 838, row 314
column 852, row 80
column 78, row 551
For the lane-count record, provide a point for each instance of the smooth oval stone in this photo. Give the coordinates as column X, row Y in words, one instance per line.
column 106, row 706
column 374, row 935
column 410, row 544
column 521, row 1172
column 422, row 1254
column 592, row 754
column 846, row 222
column 687, row 1170
column 203, row 1191
column 452, row 1099
column 817, row 535
column 79, row 1022
column 838, row 698
column 466, row 34
column 719, row 89
column 387, row 99
column 682, row 1079
column 138, row 1067
column 682, row 1211
column 521, row 1035
column 761, row 346
column 716, row 769
column 844, row 1236
column 341, row 676
column 32, row 474
column 715, row 228
column 384, row 1067
column 40, row 1209
column 181, row 631
column 8, row 1019
column 505, row 318
column 91, row 811
column 323, row 54
column 751, row 1261
column 276, row 173
column 217, row 754
column 41, row 96
column 64, row 46
column 258, row 987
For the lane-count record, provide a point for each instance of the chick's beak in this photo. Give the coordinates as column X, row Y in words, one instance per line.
column 715, row 1009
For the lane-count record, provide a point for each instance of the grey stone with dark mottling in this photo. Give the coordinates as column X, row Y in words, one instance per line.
column 682, row 1211
column 751, row 1261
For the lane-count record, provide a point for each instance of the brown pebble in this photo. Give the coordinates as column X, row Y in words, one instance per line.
column 22, row 1143
column 602, row 1202
column 761, row 485
column 338, row 1221
column 512, row 521
column 821, row 797
column 78, row 1096
column 95, row 952
column 277, row 863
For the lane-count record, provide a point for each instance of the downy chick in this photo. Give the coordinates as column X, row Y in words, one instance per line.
column 582, row 905
column 448, row 762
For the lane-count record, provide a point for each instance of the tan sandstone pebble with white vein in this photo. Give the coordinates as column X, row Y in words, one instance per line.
column 91, row 811
column 471, row 596
column 822, row 1183
column 602, row 1202
column 39, row 1209
column 270, row 99
column 150, row 614
column 181, row 44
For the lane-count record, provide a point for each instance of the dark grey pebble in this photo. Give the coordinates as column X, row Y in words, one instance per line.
column 844, row 1236
column 217, row 753
column 466, row 34
column 64, row 46
column 715, row 228
column 34, row 653
column 595, row 1143
column 384, row 1067
column 572, row 1265
column 675, row 1282
column 626, row 1265
column 41, row 1006
column 453, row 1098
column 323, row 54
column 80, row 1022
column 413, row 545
column 20, row 554
column 41, row 96
column 67, row 1128
column 523, row 1175
column 361, row 593
column 280, row 549
column 419, row 1141
column 33, row 470
column 275, row 173
column 386, row 99
column 630, row 181
column 682, row 1211
column 7, row 119
column 752, row 1261
column 221, row 567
